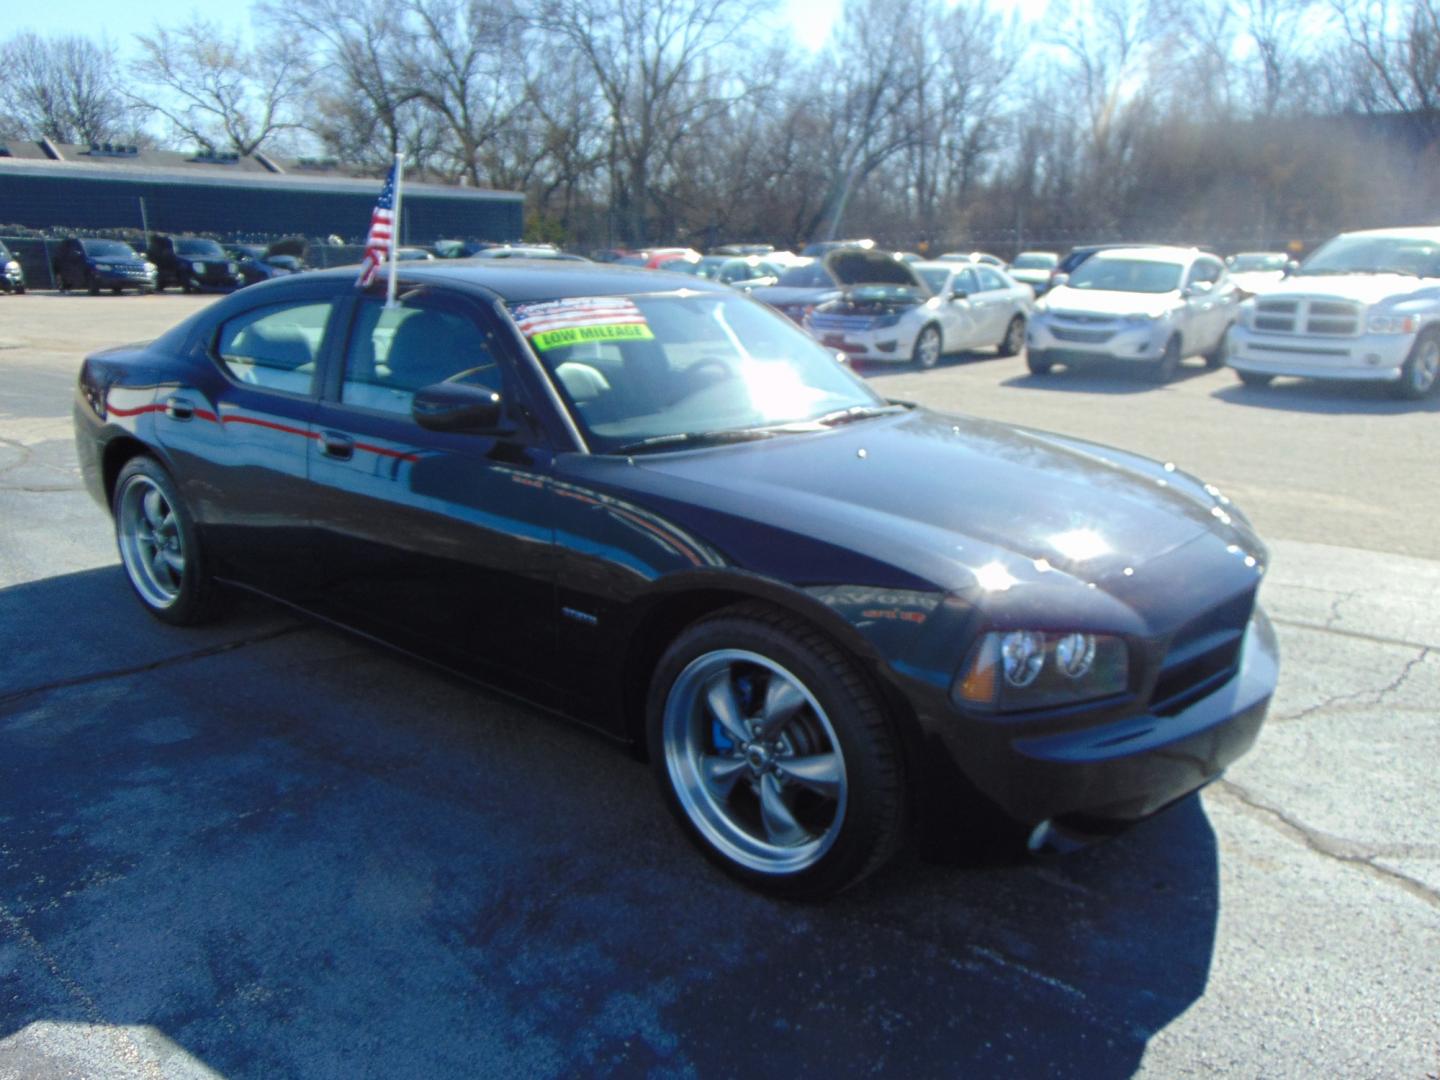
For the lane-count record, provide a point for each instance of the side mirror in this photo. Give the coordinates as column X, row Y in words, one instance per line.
column 1291, row 266
column 1056, row 280
column 959, row 294
column 456, row 407
column 1199, row 288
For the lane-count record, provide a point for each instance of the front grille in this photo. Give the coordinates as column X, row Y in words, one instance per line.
column 1203, row 655
column 1322, row 318
column 1083, row 337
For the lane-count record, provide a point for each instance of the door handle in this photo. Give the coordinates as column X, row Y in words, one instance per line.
column 334, row 444
column 179, row 408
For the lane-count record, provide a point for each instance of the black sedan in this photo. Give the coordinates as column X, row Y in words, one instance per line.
column 653, row 505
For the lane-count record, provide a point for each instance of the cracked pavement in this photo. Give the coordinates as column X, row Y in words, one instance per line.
column 267, row 849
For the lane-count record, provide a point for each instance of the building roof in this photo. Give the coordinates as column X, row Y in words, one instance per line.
column 136, row 164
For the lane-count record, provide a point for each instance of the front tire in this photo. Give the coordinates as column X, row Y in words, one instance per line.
column 928, row 347
column 1421, row 372
column 1014, row 339
column 1038, row 362
column 1168, row 364
column 159, row 547
column 774, row 754
column 1254, row 378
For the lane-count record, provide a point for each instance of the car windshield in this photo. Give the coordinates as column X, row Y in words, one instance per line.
column 208, row 249
column 1248, row 263
column 1376, row 255
column 108, row 249
column 665, row 368
column 1033, row 261
column 249, row 251
column 934, row 277
column 287, row 262
column 1103, row 274
column 810, row 276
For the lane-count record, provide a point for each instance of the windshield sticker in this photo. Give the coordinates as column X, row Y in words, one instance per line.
column 557, row 323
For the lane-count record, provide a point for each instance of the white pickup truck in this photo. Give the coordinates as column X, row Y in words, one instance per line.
column 1364, row 307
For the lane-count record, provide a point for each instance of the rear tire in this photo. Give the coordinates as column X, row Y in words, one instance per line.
column 1421, row 373
column 159, row 546
column 1215, row 358
column 773, row 752
column 92, row 286
column 1014, row 339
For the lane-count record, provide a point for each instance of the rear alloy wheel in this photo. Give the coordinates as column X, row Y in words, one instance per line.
column 926, row 353
column 159, row 547
column 1014, row 339
column 1422, row 368
column 774, row 754
column 1169, row 363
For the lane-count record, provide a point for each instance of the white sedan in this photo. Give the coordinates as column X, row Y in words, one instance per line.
column 1150, row 307
column 951, row 308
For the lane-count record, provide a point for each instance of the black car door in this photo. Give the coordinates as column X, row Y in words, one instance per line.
column 439, row 542
column 237, row 427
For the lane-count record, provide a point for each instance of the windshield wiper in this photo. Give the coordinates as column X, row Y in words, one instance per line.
column 856, row 412
column 693, row 438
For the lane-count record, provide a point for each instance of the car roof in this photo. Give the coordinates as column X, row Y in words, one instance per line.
column 521, row 280
column 1418, row 232
column 1150, row 254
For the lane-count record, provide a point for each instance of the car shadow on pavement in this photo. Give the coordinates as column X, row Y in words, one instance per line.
column 1100, row 378
column 1326, row 398
column 294, row 854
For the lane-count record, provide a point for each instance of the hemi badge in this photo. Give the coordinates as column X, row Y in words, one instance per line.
column 580, row 616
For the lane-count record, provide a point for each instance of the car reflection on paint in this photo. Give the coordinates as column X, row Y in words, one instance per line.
column 646, row 502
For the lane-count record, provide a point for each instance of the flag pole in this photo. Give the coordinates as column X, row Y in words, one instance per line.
column 390, row 279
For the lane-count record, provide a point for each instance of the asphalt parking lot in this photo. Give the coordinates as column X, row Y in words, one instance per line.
column 266, row 849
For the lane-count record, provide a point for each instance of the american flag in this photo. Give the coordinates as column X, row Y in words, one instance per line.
column 382, row 221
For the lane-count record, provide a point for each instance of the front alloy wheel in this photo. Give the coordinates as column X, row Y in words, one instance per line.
column 1422, row 370
column 927, row 347
column 774, row 754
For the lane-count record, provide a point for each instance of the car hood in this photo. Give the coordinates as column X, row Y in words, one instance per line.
column 780, row 295
column 1106, row 302
column 1030, row 277
column 1365, row 288
column 943, row 497
column 857, row 266
column 1257, row 280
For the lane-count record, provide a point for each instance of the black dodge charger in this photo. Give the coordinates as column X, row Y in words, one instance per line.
column 660, row 508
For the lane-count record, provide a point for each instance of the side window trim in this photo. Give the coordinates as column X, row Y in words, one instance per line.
column 440, row 299
column 211, row 344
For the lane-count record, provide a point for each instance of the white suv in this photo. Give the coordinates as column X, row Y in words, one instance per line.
column 1150, row 306
column 1365, row 306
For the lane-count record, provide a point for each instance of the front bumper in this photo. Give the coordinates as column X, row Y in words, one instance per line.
column 1066, row 342
column 110, row 278
column 1101, row 777
column 1366, row 358
column 892, row 344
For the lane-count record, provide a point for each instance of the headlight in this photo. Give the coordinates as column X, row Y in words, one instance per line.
column 12, row 267
column 1017, row 670
column 233, row 268
column 1392, row 324
column 884, row 322
column 198, row 267
column 1246, row 314
column 150, row 268
column 1139, row 317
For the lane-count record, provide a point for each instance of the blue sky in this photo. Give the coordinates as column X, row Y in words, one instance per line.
column 810, row 20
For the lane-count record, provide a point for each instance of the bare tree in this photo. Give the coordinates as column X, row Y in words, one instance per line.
column 361, row 105
column 1395, row 55
column 649, row 62
column 213, row 91
column 1275, row 28
column 63, row 88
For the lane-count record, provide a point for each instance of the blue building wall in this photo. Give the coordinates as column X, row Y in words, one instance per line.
column 243, row 206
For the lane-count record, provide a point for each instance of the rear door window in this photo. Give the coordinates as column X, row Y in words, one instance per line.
column 275, row 347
